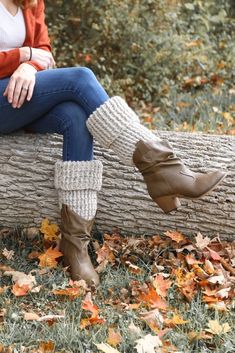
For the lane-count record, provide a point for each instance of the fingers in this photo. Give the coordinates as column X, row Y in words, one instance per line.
column 30, row 91
column 18, row 92
column 10, row 89
column 22, row 96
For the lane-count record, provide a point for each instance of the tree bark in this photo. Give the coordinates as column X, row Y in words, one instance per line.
column 28, row 194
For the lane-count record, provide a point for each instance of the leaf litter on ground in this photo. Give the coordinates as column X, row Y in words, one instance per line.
column 166, row 273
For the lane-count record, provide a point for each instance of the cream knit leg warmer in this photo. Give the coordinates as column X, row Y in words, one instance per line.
column 78, row 184
column 116, row 126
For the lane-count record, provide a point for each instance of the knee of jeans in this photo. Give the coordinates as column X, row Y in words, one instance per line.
column 85, row 72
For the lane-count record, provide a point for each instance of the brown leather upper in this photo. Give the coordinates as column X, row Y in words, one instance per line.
column 76, row 234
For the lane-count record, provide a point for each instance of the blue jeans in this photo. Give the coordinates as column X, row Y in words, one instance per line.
column 62, row 101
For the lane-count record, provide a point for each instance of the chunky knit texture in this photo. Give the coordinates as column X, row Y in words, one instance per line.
column 78, row 184
column 116, row 126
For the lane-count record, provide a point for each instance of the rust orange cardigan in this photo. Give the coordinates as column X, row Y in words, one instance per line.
column 36, row 37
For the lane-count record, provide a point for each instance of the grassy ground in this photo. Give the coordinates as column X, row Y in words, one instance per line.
column 180, row 312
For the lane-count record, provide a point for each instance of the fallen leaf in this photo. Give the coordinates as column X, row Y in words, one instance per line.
column 208, row 267
column 22, row 283
column 133, row 268
column 70, row 292
column 46, row 347
column 214, row 255
column 48, row 259
column 153, row 318
column 161, row 285
column 114, row 337
column 216, row 328
column 202, row 243
column 152, row 299
column 31, row 316
column 148, row 344
column 217, row 279
column 175, row 320
column 134, row 331
column 87, row 304
column 106, row 348
column 223, row 293
column 174, row 235
column 50, row 231
column 20, row 291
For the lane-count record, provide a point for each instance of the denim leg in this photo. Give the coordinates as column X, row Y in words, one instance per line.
column 69, row 120
column 77, row 84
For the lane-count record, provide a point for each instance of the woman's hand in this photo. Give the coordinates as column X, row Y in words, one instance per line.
column 20, row 85
column 42, row 57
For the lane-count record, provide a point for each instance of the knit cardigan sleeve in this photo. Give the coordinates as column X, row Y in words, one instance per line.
column 41, row 37
column 10, row 60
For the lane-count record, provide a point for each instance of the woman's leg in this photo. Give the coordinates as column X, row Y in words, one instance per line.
column 67, row 119
column 78, row 179
column 116, row 126
column 52, row 87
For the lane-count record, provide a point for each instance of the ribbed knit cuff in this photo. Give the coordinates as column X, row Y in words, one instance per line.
column 82, row 202
column 79, row 175
column 108, row 121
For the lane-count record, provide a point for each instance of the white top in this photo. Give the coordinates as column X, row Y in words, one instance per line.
column 12, row 29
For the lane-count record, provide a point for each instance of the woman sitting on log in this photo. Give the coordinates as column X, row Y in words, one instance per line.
column 70, row 101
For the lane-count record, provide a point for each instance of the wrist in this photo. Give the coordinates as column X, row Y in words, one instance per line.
column 27, row 66
column 25, row 54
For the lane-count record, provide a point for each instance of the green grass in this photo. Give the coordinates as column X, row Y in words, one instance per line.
column 26, row 336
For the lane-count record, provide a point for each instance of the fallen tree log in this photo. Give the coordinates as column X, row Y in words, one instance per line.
column 28, row 194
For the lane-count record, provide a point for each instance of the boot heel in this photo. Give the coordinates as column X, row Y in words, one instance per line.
column 168, row 203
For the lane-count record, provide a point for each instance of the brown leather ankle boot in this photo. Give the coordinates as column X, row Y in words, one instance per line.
column 167, row 177
column 76, row 234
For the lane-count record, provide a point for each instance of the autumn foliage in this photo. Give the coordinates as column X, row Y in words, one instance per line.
column 177, row 266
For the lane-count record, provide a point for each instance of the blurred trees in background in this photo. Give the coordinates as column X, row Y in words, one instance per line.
column 151, row 51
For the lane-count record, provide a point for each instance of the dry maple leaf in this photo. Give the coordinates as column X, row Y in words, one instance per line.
column 148, row 344
column 50, row 231
column 214, row 255
column 174, row 235
column 106, row 348
column 175, row 320
column 208, row 267
column 73, row 292
column 216, row 328
column 22, row 283
column 193, row 336
column 202, row 243
column 185, row 282
column 48, row 259
column 161, row 285
column 114, row 337
column 154, row 319
column 190, row 259
column 217, row 279
column 133, row 268
column 152, row 299
column 105, row 254
column 20, row 291
column 87, row 304
column 46, row 347
column 134, row 331
column 220, row 306
column 31, row 316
